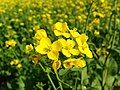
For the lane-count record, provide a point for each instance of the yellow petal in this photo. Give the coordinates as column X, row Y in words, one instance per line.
column 56, row 46
column 80, row 63
column 74, row 33
column 84, row 37
column 45, row 42
column 81, row 39
column 40, row 34
column 58, row 26
column 63, row 42
column 41, row 49
column 81, row 49
column 70, row 43
column 67, row 35
column 57, row 33
column 64, row 27
column 88, row 53
column 74, row 51
column 68, row 63
column 78, row 40
column 66, row 53
column 53, row 55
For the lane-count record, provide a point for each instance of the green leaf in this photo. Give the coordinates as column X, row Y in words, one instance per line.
column 9, row 85
column 96, row 84
column 62, row 72
column 102, row 60
column 74, row 69
column 110, row 80
column 84, row 78
column 48, row 70
column 112, row 67
column 117, row 49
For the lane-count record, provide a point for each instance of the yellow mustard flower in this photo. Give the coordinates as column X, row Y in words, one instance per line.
column 81, row 39
column 40, row 34
column 61, row 29
column 51, row 49
column 12, row 63
column 74, row 33
column 19, row 65
column 16, row 61
column 96, row 21
column 68, row 47
column 10, row 43
column 83, row 46
column 96, row 33
column 56, row 65
column 29, row 48
column 80, row 63
column 69, row 63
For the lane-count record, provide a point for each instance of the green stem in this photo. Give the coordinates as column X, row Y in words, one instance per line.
column 59, row 80
column 48, row 76
column 88, row 16
column 76, row 80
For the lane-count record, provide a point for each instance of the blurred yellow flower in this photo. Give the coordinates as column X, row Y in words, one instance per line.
column 56, row 65
column 81, row 39
column 16, row 61
column 28, row 48
column 40, row 34
column 19, row 65
column 10, row 43
column 74, row 33
column 12, row 63
column 96, row 33
column 61, row 29
column 36, row 58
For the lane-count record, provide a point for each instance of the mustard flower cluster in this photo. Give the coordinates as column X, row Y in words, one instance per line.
column 70, row 43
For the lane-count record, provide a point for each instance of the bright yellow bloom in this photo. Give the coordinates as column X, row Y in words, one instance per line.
column 61, row 29
column 88, row 53
column 40, row 34
column 29, row 48
column 56, row 65
column 68, row 47
column 74, row 33
column 10, row 43
column 51, row 49
column 69, row 63
column 81, row 39
column 83, row 46
column 80, row 63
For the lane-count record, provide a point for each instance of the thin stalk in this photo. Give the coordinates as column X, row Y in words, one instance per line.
column 48, row 76
column 76, row 81
column 60, row 84
column 88, row 16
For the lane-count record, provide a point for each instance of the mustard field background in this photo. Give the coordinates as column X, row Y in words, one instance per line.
column 59, row 45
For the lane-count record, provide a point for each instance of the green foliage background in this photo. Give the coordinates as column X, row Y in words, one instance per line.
column 18, row 20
